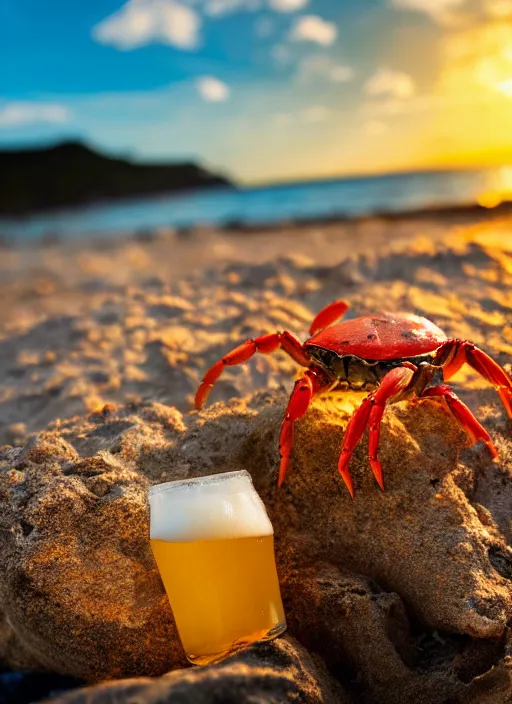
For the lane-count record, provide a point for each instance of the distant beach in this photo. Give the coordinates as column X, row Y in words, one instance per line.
column 65, row 275
column 253, row 208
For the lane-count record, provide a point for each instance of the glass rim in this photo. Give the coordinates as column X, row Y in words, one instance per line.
column 207, row 479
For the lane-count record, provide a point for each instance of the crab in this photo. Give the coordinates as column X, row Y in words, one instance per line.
column 393, row 357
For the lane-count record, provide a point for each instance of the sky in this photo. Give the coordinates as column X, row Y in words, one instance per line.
column 263, row 90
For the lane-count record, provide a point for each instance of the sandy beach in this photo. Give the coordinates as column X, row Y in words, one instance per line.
column 83, row 323
column 267, row 243
column 102, row 346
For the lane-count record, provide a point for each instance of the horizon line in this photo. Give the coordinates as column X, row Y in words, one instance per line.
column 257, row 184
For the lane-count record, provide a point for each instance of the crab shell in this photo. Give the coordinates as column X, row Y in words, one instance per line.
column 380, row 338
column 359, row 352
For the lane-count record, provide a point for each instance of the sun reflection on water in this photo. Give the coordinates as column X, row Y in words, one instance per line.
column 500, row 190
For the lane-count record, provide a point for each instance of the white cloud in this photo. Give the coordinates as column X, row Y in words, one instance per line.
column 141, row 22
column 287, row 5
column 311, row 28
column 212, row 90
column 373, row 128
column 283, row 119
column 341, row 73
column 264, row 27
column 281, row 55
column 310, row 115
column 396, row 107
column 323, row 67
column 501, row 9
column 316, row 113
column 394, row 84
column 226, row 7
column 478, row 62
column 17, row 114
column 439, row 10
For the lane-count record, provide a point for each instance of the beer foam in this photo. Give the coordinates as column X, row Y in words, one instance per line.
column 207, row 508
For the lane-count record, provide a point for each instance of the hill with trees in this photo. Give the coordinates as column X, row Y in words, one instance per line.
column 72, row 173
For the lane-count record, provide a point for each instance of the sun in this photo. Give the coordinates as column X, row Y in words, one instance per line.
column 505, row 87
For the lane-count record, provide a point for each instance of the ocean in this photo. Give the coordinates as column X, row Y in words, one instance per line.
column 316, row 200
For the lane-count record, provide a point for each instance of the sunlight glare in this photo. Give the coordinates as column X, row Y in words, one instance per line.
column 505, row 87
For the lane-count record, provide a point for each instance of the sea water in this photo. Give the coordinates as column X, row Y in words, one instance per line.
column 349, row 197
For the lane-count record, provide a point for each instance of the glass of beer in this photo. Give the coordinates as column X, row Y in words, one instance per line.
column 214, row 546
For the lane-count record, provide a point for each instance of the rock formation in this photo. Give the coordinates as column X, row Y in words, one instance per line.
column 281, row 671
column 406, row 591
column 72, row 173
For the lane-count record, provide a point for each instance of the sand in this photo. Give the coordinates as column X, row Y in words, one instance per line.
column 95, row 337
column 120, row 320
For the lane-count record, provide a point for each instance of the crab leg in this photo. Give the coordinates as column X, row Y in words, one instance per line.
column 355, row 428
column 264, row 344
column 327, row 316
column 369, row 414
column 466, row 352
column 462, row 413
column 305, row 388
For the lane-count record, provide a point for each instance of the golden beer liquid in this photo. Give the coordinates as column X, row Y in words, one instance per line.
column 224, row 593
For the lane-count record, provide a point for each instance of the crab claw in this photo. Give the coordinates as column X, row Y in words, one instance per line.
column 328, row 316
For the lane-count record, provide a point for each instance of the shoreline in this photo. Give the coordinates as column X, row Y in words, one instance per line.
column 41, row 279
column 471, row 211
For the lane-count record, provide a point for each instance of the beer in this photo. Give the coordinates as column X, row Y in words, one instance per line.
column 214, row 546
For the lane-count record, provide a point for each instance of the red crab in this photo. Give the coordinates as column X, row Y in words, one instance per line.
column 394, row 357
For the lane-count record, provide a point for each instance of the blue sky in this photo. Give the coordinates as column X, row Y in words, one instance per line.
column 263, row 89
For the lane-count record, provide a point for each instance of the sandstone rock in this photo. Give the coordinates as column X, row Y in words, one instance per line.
column 368, row 640
column 270, row 673
column 80, row 593
column 367, row 583
column 493, row 687
column 422, row 537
